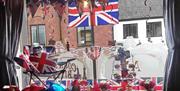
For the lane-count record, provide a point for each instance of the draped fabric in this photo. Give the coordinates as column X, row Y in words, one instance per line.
column 172, row 25
column 11, row 12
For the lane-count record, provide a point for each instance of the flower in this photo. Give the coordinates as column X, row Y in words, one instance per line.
column 147, row 84
column 84, row 82
column 104, row 86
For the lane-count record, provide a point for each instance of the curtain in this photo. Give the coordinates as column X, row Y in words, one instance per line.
column 11, row 12
column 172, row 25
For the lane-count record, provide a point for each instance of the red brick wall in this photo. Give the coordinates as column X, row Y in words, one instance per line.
column 51, row 22
column 69, row 35
column 102, row 34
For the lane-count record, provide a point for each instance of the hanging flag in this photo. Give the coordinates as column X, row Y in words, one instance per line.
column 96, row 16
column 74, row 17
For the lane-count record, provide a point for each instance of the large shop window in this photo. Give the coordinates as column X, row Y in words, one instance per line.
column 85, row 36
column 130, row 30
column 38, row 34
column 154, row 29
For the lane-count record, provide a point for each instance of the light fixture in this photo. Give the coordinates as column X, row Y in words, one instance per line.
column 85, row 4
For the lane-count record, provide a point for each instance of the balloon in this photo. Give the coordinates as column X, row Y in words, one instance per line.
column 56, row 87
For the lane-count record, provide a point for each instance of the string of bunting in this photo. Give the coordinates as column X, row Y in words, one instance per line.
column 60, row 5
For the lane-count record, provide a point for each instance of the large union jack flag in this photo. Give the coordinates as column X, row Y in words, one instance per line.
column 99, row 17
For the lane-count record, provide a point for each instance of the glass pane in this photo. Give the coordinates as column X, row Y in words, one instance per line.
column 158, row 30
column 80, row 28
column 42, row 35
column 88, row 35
column 81, row 36
column 130, row 30
column 88, row 28
column 34, row 34
column 84, row 36
column 88, row 43
column 154, row 29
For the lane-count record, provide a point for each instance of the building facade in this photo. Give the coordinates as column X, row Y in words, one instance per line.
column 47, row 29
column 143, row 20
column 141, row 30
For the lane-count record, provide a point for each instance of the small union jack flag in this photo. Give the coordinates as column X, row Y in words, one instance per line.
column 43, row 64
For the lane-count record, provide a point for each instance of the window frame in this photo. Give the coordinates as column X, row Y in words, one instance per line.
column 125, row 37
column 152, row 36
column 37, row 32
column 84, row 29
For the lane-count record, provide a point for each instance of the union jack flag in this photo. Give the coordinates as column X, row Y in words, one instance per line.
column 97, row 16
column 43, row 64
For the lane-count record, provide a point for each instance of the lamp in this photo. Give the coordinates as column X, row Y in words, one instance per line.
column 85, row 4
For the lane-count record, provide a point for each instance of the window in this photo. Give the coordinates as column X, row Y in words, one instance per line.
column 154, row 29
column 130, row 30
column 85, row 36
column 38, row 34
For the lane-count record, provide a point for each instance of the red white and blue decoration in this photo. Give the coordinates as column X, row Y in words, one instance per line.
column 39, row 64
column 92, row 15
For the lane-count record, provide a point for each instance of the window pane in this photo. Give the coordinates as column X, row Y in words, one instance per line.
column 82, row 37
column 85, row 36
column 87, row 28
column 88, row 35
column 154, row 29
column 80, row 28
column 34, row 34
column 42, row 35
column 38, row 34
column 130, row 30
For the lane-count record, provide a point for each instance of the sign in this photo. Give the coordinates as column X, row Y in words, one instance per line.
column 74, row 70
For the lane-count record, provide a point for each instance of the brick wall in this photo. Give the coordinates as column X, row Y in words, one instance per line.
column 102, row 34
column 51, row 22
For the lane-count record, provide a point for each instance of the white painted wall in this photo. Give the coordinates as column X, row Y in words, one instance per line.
column 118, row 30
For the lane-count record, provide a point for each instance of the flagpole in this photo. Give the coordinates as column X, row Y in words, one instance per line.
column 94, row 70
column 92, row 18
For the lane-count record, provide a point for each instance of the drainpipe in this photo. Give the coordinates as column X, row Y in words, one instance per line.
column 60, row 30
